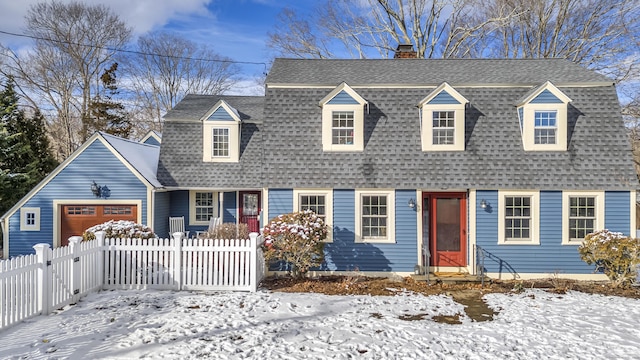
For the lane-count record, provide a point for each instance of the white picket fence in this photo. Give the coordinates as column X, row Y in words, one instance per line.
column 52, row 278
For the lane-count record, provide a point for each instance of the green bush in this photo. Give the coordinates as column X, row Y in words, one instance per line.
column 297, row 239
column 119, row 229
column 612, row 253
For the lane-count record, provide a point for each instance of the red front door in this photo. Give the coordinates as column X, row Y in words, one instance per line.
column 444, row 227
column 250, row 210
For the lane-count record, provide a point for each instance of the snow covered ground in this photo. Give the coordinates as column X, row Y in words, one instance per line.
column 264, row 325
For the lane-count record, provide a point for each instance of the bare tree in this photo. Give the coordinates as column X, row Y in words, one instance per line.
column 167, row 67
column 74, row 42
column 436, row 28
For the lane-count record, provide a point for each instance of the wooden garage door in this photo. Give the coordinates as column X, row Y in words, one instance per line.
column 75, row 219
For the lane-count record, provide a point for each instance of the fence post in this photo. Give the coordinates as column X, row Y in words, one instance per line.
column 177, row 253
column 74, row 284
column 100, row 268
column 253, row 265
column 43, row 254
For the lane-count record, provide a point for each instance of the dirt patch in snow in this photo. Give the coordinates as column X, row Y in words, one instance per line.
column 468, row 294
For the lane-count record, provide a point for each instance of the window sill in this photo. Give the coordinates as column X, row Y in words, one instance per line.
column 512, row 242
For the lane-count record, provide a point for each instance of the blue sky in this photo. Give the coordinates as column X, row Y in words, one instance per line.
column 235, row 28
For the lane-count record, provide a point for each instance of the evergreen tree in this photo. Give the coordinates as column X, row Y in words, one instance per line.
column 25, row 155
column 106, row 114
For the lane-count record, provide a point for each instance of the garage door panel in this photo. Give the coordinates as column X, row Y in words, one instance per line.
column 75, row 219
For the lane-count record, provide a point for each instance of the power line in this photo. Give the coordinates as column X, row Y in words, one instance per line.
column 134, row 51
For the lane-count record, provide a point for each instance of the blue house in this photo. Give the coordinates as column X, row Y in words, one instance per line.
column 107, row 178
column 413, row 162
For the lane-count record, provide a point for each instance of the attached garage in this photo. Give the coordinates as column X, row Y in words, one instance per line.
column 76, row 218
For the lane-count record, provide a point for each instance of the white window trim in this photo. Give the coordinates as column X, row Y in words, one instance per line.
column 217, row 157
column 391, row 216
column 528, row 131
column 599, row 224
column 546, row 127
column 23, row 219
column 234, row 141
column 192, row 206
column 535, row 217
column 358, row 127
column 358, row 120
column 328, row 194
column 458, row 122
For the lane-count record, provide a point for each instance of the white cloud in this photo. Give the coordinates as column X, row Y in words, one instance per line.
column 141, row 15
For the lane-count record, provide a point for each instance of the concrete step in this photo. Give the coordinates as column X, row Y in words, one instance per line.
column 450, row 278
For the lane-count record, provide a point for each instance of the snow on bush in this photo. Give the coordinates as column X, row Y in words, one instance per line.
column 120, row 229
column 295, row 238
column 612, row 253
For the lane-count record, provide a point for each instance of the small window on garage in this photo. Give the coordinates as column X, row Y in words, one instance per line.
column 117, row 210
column 30, row 219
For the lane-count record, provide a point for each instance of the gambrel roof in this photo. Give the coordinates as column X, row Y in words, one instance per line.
column 284, row 150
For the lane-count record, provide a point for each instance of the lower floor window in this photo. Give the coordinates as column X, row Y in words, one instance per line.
column 375, row 216
column 517, row 218
column 204, row 205
column 582, row 216
column 30, row 219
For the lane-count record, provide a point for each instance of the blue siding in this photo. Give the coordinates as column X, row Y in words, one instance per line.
column 346, row 255
column 74, row 183
column 521, row 116
column 547, row 258
column 229, row 211
column 343, row 98
column 152, row 141
column 443, row 98
column 546, row 97
column 161, row 214
column 280, row 202
column 617, row 211
column 220, row 114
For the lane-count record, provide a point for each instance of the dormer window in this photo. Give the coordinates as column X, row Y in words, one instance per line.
column 221, row 134
column 442, row 120
column 343, row 120
column 542, row 115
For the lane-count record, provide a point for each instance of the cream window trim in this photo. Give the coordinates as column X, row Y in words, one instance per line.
column 534, row 225
column 192, row 206
column 234, row 141
column 528, row 130
column 599, row 215
column 29, row 219
column 390, row 215
column 358, row 127
column 427, row 127
column 328, row 196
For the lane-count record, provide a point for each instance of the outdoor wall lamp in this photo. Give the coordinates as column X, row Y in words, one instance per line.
column 100, row 191
column 96, row 189
column 412, row 204
column 483, row 204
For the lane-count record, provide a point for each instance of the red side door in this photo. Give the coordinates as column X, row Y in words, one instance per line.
column 250, row 209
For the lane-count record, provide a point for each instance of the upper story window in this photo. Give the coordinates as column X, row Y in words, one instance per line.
column 343, row 120
column 545, row 127
column 442, row 122
column 542, row 115
column 220, row 142
column 221, row 134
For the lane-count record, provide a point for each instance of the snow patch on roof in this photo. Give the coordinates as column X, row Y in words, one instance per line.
column 142, row 157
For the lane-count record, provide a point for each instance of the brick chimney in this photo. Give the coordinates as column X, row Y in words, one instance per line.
column 405, row 51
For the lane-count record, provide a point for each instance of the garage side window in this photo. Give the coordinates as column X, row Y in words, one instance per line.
column 30, row 219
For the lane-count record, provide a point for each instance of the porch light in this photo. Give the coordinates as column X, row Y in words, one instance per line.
column 483, row 204
column 96, row 189
column 412, row 203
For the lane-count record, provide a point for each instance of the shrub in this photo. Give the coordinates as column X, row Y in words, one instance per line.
column 296, row 239
column 228, row 231
column 120, row 229
column 612, row 253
